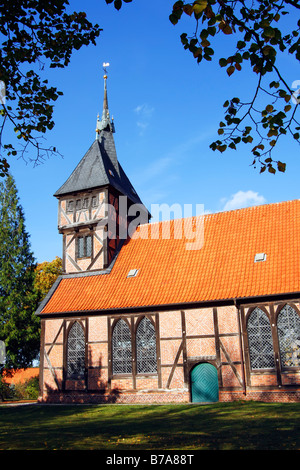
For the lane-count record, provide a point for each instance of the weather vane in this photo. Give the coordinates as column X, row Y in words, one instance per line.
column 105, row 65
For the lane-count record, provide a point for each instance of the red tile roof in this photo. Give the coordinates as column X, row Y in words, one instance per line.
column 20, row 375
column 223, row 268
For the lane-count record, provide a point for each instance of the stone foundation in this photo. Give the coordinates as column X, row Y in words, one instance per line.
column 165, row 397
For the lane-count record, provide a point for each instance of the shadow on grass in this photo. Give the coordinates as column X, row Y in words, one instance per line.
column 218, row 426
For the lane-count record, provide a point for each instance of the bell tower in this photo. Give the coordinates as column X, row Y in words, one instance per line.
column 90, row 218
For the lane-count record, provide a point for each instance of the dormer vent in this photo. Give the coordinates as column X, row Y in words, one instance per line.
column 260, row 257
column 133, row 273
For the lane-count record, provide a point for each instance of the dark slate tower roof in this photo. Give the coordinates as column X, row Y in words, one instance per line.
column 100, row 166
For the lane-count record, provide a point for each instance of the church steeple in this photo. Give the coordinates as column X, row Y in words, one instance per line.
column 105, row 123
column 91, row 217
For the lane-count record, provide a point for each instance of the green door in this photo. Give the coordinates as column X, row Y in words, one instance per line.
column 204, row 383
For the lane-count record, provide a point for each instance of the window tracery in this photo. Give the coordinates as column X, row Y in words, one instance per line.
column 121, row 348
column 288, row 327
column 146, row 347
column 76, row 352
column 260, row 340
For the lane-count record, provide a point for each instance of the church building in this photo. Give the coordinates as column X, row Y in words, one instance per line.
column 202, row 309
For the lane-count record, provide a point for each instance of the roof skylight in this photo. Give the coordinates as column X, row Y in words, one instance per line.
column 260, row 257
column 132, row 273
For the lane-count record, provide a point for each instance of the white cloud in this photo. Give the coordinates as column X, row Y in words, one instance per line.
column 158, row 167
column 243, row 199
column 155, row 180
column 142, row 125
column 144, row 110
column 144, row 113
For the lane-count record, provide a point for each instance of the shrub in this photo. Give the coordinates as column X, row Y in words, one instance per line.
column 32, row 388
column 6, row 391
column 28, row 390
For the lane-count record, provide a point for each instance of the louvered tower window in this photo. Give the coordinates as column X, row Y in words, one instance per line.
column 260, row 340
column 288, row 327
column 121, row 348
column 146, row 347
column 76, row 352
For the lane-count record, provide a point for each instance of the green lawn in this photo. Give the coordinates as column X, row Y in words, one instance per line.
column 220, row 426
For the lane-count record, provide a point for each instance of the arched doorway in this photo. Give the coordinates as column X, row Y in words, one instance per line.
column 204, row 383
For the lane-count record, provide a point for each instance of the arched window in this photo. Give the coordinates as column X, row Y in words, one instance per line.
column 146, row 347
column 260, row 340
column 288, row 327
column 76, row 352
column 121, row 348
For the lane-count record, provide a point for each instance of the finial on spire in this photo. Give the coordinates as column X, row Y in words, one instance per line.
column 105, row 121
column 105, row 65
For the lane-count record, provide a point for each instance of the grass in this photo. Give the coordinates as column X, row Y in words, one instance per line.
column 219, row 426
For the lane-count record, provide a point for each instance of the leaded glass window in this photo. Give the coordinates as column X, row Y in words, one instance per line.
column 70, row 206
column 146, row 347
column 88, row 242
column 80, row 247
column 76, row 352
column 84, row 246
column 288, row 327
column 94, row 201
column 121, row 349
column 260, row 340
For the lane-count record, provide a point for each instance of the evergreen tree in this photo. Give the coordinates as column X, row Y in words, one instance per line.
column 19, row 326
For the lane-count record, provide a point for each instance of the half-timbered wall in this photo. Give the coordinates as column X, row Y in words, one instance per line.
column 182, row 339
column 81, row 208
column 282, row 372
column 82, row 220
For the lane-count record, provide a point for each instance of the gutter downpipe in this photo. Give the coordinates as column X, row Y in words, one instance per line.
column 241, row 348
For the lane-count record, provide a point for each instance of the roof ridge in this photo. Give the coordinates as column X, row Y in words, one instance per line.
column 257, row 206
column 178, row 271
column 213, row 214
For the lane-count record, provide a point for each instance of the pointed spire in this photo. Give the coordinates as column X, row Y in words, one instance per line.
column 105, row 123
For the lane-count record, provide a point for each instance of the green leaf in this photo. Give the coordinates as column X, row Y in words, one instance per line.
column 199, row 6
column 269, row 32
column 209, row 51
column 204, row 34
column 222, row 148
column 271, row 170
column 241, row 44
column 183, row 38
column 188, row 9
column 223, row 62
column 281, row 166
column 173, row 18
column 118, row 4
column 230, row 70
column 205, row 43
column 225, row 27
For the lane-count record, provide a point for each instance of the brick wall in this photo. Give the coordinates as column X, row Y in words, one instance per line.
column 186, row 338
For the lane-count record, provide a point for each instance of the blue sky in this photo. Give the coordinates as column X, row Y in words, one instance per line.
column 166, row 110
